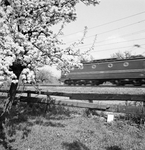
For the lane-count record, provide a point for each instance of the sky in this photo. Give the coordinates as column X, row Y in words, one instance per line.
column 118, row 25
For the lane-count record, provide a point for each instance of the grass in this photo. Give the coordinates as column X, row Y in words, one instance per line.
column 29, row 127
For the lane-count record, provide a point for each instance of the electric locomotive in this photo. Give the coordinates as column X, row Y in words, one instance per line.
column 115, row 71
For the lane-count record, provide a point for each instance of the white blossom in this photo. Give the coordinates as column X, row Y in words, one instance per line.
column 26, row 38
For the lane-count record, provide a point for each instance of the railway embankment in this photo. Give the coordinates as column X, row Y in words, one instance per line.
column 90, row 89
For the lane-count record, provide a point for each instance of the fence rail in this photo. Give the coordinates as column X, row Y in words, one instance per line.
column 33, row 96
column 87, row 96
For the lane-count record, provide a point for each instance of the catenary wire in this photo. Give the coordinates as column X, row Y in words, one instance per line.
column 111, row 30
column 85, row 46
column 111, row 49
column 106, row 23
column 122, row 36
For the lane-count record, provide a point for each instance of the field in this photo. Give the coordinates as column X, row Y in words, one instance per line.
column 61, row 128
column 37, row 127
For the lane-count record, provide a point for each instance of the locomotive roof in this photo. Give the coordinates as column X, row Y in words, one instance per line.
column 112, row 60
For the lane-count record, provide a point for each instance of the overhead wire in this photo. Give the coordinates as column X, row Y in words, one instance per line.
column 125, row 35
column 122, row 36
column 107, row 23
column 141, row 21
column 85, row 46
column 142, row 48
column 111, row 49
column 112, row 30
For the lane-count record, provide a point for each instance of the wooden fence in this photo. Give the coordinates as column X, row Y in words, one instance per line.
column 84, row 100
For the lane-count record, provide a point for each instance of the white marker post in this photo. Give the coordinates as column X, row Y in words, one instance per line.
column 110, row 117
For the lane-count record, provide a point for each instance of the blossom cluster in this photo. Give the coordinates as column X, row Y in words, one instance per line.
column 26, row 40
column 28, row 76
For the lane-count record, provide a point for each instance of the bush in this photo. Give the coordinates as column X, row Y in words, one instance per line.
column 135, row 114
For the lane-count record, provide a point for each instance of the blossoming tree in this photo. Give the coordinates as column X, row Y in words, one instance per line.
column 27, row 41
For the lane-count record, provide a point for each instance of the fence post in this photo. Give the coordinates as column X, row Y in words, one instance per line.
column 47, row 103
column 143, row 104
column 90, row 111
column 28, row 96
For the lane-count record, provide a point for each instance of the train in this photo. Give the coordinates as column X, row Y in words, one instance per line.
column 115, row 71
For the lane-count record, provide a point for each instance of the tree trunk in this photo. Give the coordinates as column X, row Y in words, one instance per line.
column 17, row 69
column 4, row 115
column 11, row 96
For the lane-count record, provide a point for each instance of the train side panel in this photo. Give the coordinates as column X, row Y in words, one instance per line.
column 110, row 70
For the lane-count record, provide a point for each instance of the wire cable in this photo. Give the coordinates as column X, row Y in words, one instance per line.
column 112, row 30
column 122, row 36
column 111, row 49
column 107, row 23
column 113, row 43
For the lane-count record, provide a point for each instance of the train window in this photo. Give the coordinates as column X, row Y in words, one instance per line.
column 93, row 66
column 110, row 65
column 125, row 64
